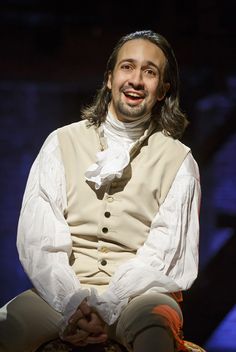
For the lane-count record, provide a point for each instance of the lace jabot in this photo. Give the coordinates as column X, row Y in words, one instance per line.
column 120, row 137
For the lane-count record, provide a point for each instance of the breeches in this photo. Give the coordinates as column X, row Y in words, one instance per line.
column 28, row 321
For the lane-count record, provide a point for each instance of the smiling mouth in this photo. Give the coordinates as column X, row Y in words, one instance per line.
column 134, row 96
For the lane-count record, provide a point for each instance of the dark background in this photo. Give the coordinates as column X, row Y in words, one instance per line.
column 52, row 60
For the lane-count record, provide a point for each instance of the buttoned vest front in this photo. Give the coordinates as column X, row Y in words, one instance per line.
column 109, row 225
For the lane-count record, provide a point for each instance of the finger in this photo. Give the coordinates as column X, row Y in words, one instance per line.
column 74, row 319
column 77, row 339
column 91, row 327
column 85, row 308
column 75, row 331
column 76, row 316
column 80, row 336
column 89, row 340
column 69, row 330
column 96, row 339
column 93, row 322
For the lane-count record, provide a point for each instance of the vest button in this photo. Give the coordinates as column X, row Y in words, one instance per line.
column 103, row 262
column 105, row 230
column 107, row 214
column 104, row 249
column 110, row 199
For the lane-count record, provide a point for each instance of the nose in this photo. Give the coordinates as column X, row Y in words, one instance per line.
column 136, row 79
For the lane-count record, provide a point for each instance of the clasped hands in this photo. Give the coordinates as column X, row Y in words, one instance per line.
column 85, row 327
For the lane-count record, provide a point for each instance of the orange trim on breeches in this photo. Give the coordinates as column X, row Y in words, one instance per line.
column 173, row 321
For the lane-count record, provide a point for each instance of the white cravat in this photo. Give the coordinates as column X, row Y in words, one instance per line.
column 120, row 136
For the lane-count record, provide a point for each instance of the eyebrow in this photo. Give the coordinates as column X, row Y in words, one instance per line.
column 148, row 63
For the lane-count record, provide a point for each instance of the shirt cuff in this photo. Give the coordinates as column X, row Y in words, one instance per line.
column 71, row 304
column 108, row 305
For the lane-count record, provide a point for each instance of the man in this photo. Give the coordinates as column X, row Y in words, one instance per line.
column 108, row 231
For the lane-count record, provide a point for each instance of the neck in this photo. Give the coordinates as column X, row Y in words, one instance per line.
column 131, row 131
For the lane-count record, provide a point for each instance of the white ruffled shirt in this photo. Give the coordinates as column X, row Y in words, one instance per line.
column 120, row 138
column 169, row 257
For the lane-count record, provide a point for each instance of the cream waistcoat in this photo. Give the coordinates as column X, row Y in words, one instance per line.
column 109, row 225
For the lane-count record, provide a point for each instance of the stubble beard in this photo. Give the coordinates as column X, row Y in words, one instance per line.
column 131, row 111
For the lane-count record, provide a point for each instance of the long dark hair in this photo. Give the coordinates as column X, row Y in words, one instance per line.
column 167, row 112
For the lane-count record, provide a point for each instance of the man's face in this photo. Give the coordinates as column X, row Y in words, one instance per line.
column 136, row 80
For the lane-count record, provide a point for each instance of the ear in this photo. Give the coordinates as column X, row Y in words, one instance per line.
column 163, row 90
column 109, row 81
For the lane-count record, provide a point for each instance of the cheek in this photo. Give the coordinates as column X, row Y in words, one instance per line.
column 119, row 80
column 117, row 85
column 154, row 92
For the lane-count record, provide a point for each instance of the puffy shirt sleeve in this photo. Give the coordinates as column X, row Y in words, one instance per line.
column 168, row 260
column 43, row 237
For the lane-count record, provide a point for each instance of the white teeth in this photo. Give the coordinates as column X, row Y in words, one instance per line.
column 133, row 95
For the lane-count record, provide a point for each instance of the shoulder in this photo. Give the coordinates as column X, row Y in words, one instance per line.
column 186, row 184
column 51, row 147
column 74, row 127
column 167, row 141
column 189, row 167
column 50, row 143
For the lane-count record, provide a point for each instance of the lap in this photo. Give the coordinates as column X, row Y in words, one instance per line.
column 32, row 321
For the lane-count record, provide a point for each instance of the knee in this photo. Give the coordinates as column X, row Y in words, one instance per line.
column 151, row 310
column 162, row 316
column 155, row 309
column 12, row 334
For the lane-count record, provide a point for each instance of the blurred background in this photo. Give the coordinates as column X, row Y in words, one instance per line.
column 52, row 59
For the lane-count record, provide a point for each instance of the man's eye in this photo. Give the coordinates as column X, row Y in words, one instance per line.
column 150, row 72
column 126, row 67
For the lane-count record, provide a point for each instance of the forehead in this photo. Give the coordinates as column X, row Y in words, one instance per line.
column 141, row 51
